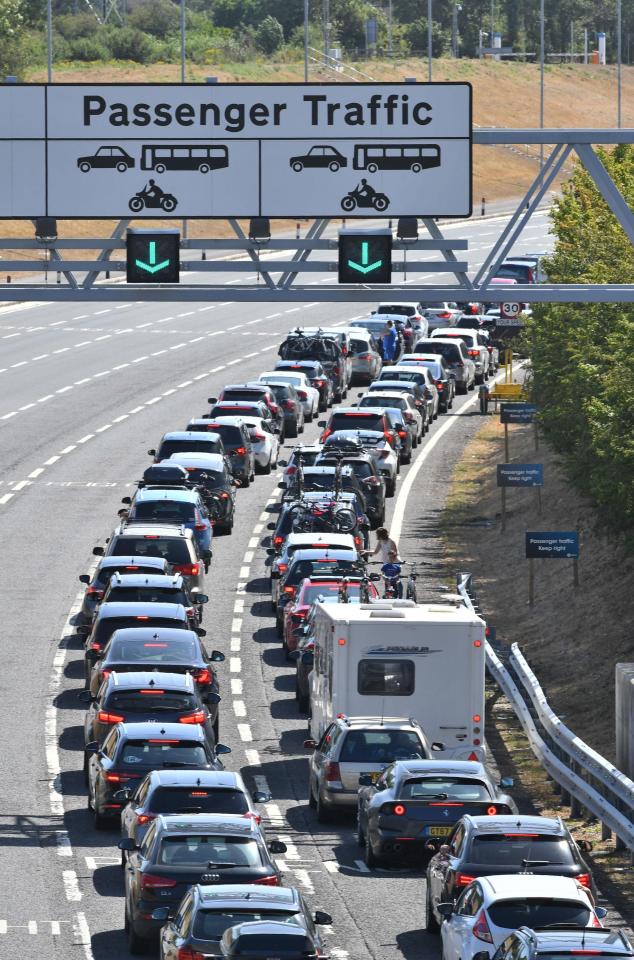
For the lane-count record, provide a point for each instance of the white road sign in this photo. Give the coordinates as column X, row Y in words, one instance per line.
column 276, row 150
column 510, row 310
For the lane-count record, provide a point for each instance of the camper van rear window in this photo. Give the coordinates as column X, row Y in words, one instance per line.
column 386, row 678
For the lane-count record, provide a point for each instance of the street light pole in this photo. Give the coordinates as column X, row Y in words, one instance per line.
column 541, row 82
column 619, row 57
column 49, row 39
column 305, row 41
column 429, row 40
column 182, row 41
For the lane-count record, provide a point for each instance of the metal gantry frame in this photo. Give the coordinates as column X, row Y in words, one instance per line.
column 278, row 261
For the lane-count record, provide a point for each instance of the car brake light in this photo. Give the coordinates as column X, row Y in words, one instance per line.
column 94, row 592
column 372, row 481
column 278, row 541
column 224, row 495
column 491, row 811
column 202, row 676
column 151, row 882
column 282, row 567
column 121, row 777
column 151, row 536
column 256, row 435
column 145, row 818
column 585, row 953
column 289, row 405
column 154, row 644
column 151, row 692
column 187, row 569
column 325, row 434
column 291, row 471
column 299, row 616
column 187, row 953
column 319, row 383
column 104, row 717
column 444, row 315
column 240, row 451
column 594, row 921
column 105, row 674
column 200, row 526
column 95, row 645
column 481, row 928
column 273, row 407
column 388, row 437
column 271, row 881
column 585, row 880
column 198, row 716
column 463, row 879
column 289, row 590
column 142, row 617
column 490, row 349
column 440, row 385
column 333, row 772
column 402, row 434
column 474, row 353
column 302, row 395
column 399, row 810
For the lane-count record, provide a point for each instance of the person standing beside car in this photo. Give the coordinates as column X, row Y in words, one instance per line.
column 389, row 338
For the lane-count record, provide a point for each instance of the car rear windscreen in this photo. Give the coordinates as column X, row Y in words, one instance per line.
column 211, row 924
column 154, row 651
column 210, row 479
column 153, row 699
column 359, row 346
column 405, row 376
column 378, row 401
column 246, row 394
column 281, row 391
column 170, row 511
column 381, row 746
column 356, row 421
column 546, row 912
column 522, row 272
column 450, row 351
column 105, row 627
column 511, row 849
column 309, row 348
column 200, row 850
column 168, row 447
column 326, row 567
column 198, row 799
column 443, row 788
column 159, row 753
column 174, row 550
column 397, row 308
column 147, row 595
column 308, row 457
column 105, row 573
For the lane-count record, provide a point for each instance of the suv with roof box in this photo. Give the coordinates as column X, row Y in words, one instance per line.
column 211, row 473
column 176, row 544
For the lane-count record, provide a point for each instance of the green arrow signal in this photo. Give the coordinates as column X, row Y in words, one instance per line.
column 152, row 266
column 364, row 266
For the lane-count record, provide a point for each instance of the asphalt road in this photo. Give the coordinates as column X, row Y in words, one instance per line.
column 83, row 395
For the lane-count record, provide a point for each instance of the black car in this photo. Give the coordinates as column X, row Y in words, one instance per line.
column 291, row 406
column 481, row 846
column 145, row 696
column 318, row 377
column 206, row 912
column 115, row 616
column 180, row 851
column 131, row 750
column 371, row 481
column 544, row 944
column 327, row 350
column 185, row 441
column 164, row 649
column 254, row 392
column 155, row 588
column 97, row 584
column 311, row 563
column 261, row 940
column 236, row 441
column 211, row 473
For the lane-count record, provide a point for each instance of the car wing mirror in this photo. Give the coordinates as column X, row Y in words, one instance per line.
column 212, row 399
column 92, row 747
column 507, row 783
column 308, row 658
column 601, row 913
column 277, row 846
column 294, row 654
column 127, row 500
column 283, row 485
column 217, row 656
column 437, row 746
column 152, row 452
column 271, row 551
column 481, row 955
column 282, row 463
column 270, row 526
column 161, row 913
column 200, row 598
column 98, row 551
column 84, row 578
column 445, row 909
column 201, row 632
column 123, row 795
column 214, row 698
column 321, row 423
column 127, row 843
column 310, row 744
column 586, row 845
column 261, row 796
column 322, row 918
column 222, row 749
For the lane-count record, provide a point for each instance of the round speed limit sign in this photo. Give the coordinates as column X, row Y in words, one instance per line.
column 510, row 310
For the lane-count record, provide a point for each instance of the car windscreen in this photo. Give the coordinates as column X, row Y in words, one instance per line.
column 399, row 308
column 522, row 272
column 170, row 511
column 201, row 850
column 326, row 567
column 198, row 799
column 534, row 913
column 379, row 401
column 443, row 788
column 381, row 746
column 146, row 595
column 356, row 421
column 211, row 924
column 168, row 447
column 511, row 849
column 153, row 699
column 245, row 394
column 450, row 351
column 154, row 651
column 105, row 627
column 174, row 550
column 159, row 753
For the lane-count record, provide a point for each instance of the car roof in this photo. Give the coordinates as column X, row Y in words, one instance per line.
column 438, row 357
column 309, row 554
column 120, row 608
column 228, row 421
column 225, row 779
column 162, row 731
column 213, row 823
column 352, row 411
column 213, row 461
column 233, row 404
column 145, row 634
column 153, row 530
column 248, row 385
column 221, row 895
column 510, row 823
column 325, row 470
column 152, row 493
column 270, row 928
column 185, row 435
column 378, row 723
column 149, row 679
column 347, row 434
column 400, row 303
column 132, row 561
column 330, row 539
column 163, row 580
column 506, row 886
column 306, row 448
column 443, row 768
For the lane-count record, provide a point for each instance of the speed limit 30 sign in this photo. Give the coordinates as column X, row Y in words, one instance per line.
column 510, row 310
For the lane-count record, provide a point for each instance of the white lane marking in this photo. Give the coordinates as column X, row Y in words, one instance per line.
column 236, row 625
column 62, row 840
column 245, row 732
column 253, row 758
column 244, row 573
column 5, row 498
column 106, row 426
column 236, row 687
column 68, row 449
column 35, row 473
column 331, row 866
column 82, row 935
column 248, row 557
column 361, row 866
column 32, row 926
column 20, row 485
column 124, row 416
column 71, row 885
column 235, row 644
column 239, row 708
column 235, row 664
column 88, row 436
column 51, row 461
column 7, row 416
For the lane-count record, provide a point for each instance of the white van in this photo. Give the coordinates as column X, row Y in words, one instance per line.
column 398, row 658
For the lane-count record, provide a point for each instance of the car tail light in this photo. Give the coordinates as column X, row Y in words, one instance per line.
column 444, row 315
column 105, row 674
column 94, row 592
column 440, row 385
column 302, row 395
column 95, row 645
column 203, row 675
column 585, row 880
column 408, row 417
column 357, row 540
column 224, row 495
column 144, row 818
column 278, row 541
column 388, row 436
column 271, row 881
column 490, row 349
column 463, row 879
column 151, row 882
column 333, row 772
column 200, row 526
column 187, row 569
column 481, row 928
column 240, row 451
column 474, row 353
column 249, row 815
column 291, row 471
column 198, row 716
column 594, row 920
column 364, row 356
column 289, row 590
column 273, row 407
column 121, row 777
column 104, row 717
column 299, row 616
column 142, row 617
column 186, row 953
column 473, row 755
column 151, row 536
column 402, row 434
column 399, row 810
column 336, row 369
column 282, row 567
column 319, row 383
column 256, row 435
column 289, row 405
column 325, row 434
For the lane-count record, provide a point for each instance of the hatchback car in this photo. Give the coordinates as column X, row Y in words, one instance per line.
column 185, row 441
column 98, row 583
column 435, row 363
column 291, row 406
column 211, row 473
column 253, row 392
column 106, row 158
column 379, row 448
column 491, row 908
column 299, row 379
column 305, row 453
column 317, row 376
column 179, row 851
column 483, row 846
column 187, row 792
column 476, row 348
column 266, row 939
column 176, row 544
column 241, row 408
column 310, row 590
column 206, row 912
column 237, row 443
column 366, row 355
column 351, row 418
column 156, row 588
column 412, row 806
column 131, row 750
column 414, row 312
column 525, row 944
column 415, row 418
column 456, row 357
column 323, row 477
column 186, row 507
column 265, row 443
column 354, row 746
column 164, row 649
column 366, row 472
column 310, row 563
column 421, row 383
column 281, row 558
column 443, row 314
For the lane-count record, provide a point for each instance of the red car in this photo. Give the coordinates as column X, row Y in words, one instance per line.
column 309, row 591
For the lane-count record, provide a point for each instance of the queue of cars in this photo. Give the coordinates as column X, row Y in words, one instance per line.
column 201, row 879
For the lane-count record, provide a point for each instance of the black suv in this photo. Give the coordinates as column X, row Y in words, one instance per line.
column 507, row 844
column 369, row 478
column 327, row 350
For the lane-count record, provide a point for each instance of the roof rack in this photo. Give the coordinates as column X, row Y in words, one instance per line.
column 134, row 522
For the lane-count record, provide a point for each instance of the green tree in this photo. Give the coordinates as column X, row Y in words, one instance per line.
column 160, row 18
column 269, row 36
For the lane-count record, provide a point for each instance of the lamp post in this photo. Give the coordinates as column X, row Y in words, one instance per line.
column 429, row 40
column 619, row 57
column 49, row 39
column 541, row 84
column 182, row 41
column 305, row 41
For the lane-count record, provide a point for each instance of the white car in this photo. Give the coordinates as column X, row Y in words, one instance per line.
column 490, row 908
column 265, row 443
column 308, row 394
column 412, row 310
column 304, row 541
column 475, row 345
column 444, row 314
column 403, row 402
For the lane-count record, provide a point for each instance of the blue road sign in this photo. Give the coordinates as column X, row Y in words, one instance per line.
column 561, row 544
column 520, row 474
column 517, row 412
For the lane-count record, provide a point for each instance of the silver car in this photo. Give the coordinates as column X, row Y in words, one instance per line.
column 476, row 349
column 444, row 314
column 365, row 353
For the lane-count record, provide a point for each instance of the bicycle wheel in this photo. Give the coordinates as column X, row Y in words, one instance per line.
column 345, row 521
column 411, row 592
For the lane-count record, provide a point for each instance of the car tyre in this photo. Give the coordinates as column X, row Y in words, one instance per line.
column 279, row 627
column 84, row 167
column 360, row 836
column 432, row 925
column 333, row 165
column 302, row 701
column 136, row 944
column 406, row 458
column 322, row 812
column 390, row 488
column 292, row 430
column 297, row 166
column 369, row 856
column 267, row 468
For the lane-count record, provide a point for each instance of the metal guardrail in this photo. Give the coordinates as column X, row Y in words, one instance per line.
column 584, row 776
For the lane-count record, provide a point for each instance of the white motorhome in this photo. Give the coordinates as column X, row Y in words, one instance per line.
column 398, row 658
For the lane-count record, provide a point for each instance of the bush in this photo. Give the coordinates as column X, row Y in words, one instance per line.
column 88, row 49
column 126, row 43
column 74, row 25
column 269, row 36
column 160, row 18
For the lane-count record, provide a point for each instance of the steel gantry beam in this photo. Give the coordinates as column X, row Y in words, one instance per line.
column 278, row 261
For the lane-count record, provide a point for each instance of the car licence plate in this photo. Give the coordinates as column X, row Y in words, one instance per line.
column 438, row 831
